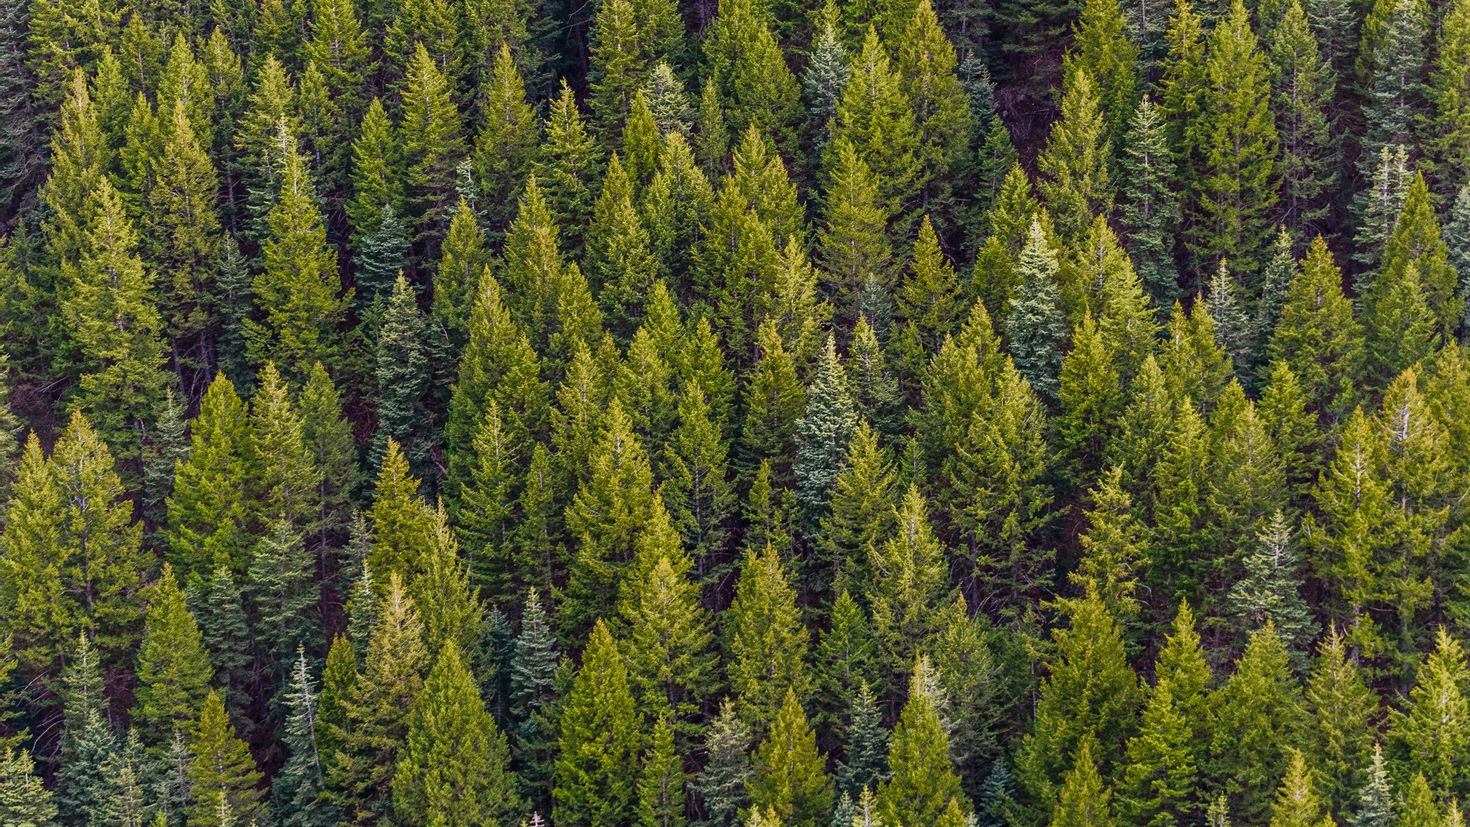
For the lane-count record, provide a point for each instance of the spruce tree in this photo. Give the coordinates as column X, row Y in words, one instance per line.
column 596, row 775
column 1253, row 716
column 721, row 785
column 1159, row 780
column 295, row 795
column 1035, row 326
column 1302, row 83
column 1270, row 587
column 1338, row 739
column 432, row 145
column 533, row 702
column 865, row 752
column 907, row 588
column 402, row 379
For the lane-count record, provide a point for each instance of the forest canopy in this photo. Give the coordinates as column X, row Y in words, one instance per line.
column 734, row 413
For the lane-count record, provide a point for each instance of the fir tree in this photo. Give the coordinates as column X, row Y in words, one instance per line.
column 923, row 784
column 1074, row 165
column 1297, row 803
column 722, row 784
column 822, row 435
column 455, row 766
column 1270, row 588
column 296, row 790
column 789, row 776
column 1238, row 177
column 661, row 783
column 1432, row 733
column 595, row 780
column 765, row 642
column 1148, row 207
column 533, row 702
column 1302, row 83
column 222, row 777
column 1258, row 707
column 173, row 667
column 402, row 379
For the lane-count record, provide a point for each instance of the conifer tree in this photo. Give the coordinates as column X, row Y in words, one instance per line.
column 822, row 435
column 298, row 292
column 1090, row 396
column 1374, row 805
column 80, row 158
column 865, row 753
column 923, row 784
column 1270, row 587
column 1302, row 83
column 789, row 777
column 765, row 642
column 432, row 144
column 104, row 299
column 661, row 783
column 619, row 260
column 1159, row 780
column 533, row 701
column 402, row 379
column 173, row 667
column 219, row 608
column 697, row 487
column 597, row 769
column 327, row 437
column 23, row 800
column 209, row 511
column 749, row 77
column 87, row 742
column 1084, row 799
column 222, row 777
column 856, row 252
column 1253, row 716
column 1392, row 58
column 568, row 167
column 1338, row 740
column 1148, row 206
column 1416, row 242
column 1089, row 697
column 1035, row 326
column 926, row 63
column 505, row 149
column 860, row 515
column 907, row 586
column 1074, row 165
column 722, row 783
column 454, row 768
column 1316, row 336
column 377, row 183
column 1297, row 803
column 1432, row 733
column 1237, row 187
column 295, row 795
column 366, row 740
column 827, row 72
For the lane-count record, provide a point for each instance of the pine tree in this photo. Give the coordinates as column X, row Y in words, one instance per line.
column 1074, row 165
column 722, row 783
column 298, row 292
column 1432, row 733
column 789, row 776
column 173, row 667
column 222, row 776
column 1148, row 207
column 661, row 784
column 1237, row 187
column 283, row 593
column 327, row 436
column 454, row 768
column 597, row 770
column 924, row 784
column 865, row 753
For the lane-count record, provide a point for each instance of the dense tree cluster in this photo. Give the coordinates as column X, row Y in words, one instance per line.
column 739, row 414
